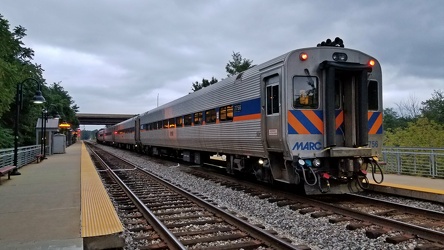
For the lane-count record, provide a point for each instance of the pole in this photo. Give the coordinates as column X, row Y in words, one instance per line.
column 16, row 122
column 44, row 135
column 38, row 98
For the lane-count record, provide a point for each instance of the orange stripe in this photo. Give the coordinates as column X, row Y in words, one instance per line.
column 314, row 119
column 376, row 125
column 247, row 117
column 300, row 129
column 339, row 119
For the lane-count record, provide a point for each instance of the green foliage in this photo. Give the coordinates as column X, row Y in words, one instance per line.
column 15, row 68
column 6, row 138
column 393, row 121
column 421, row 133
column 58, row 100
column 205, row 83
column 434, row 108
column 238, row 64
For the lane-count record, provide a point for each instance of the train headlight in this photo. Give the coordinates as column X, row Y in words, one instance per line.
column 316, row 162
column 261, row 161
column 371, row 63
column 301, row 162
column 303, row 56
column 340, row 57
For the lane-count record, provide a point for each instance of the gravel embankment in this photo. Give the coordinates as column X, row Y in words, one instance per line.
column 301, row 229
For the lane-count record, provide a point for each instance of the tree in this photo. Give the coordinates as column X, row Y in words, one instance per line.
column 433, row 108
column 16, row 66
column 421, row 133
column 238, row 64
column 205, row 83
column 409, row 109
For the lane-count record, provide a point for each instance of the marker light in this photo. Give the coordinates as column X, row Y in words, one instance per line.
column 371, row 62
column 341, row 57
column 303, row 56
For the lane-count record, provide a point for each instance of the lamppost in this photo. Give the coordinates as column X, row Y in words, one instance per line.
column 38, row 98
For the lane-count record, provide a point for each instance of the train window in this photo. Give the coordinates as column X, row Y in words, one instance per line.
column 210, row 116
column 179, row 121
column 198, row 118
column 171, row 123
column 165, row 123
column 159, row 125
column 187, row 120
column 272, row 94
column 373, row 95
column 154, row 125
column 226, row 113
column 305, row 92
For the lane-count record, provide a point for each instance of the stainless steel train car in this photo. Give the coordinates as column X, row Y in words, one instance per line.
column 310, row 117
column 100, row 136
column 108, row 135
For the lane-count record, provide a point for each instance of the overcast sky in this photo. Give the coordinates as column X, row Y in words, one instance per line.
column 119, row 56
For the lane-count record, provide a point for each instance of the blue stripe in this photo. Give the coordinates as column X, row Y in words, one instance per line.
column 248, row 107
column 340, row 130
column 306, row 122
column 372, row 120
column 291, row 130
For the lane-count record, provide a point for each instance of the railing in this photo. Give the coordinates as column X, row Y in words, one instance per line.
column 25, row 155
column 427, row 162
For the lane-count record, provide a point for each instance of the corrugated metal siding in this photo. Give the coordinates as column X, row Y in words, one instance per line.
column 230, row 137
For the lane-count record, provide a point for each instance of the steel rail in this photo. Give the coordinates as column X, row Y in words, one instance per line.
column 166, row 235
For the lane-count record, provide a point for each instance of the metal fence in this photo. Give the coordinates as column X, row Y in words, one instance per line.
column 427, row 162
column 25, row 155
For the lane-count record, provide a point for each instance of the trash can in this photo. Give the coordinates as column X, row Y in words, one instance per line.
column 59, row 144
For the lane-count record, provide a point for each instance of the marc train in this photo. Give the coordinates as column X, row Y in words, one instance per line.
column 311, row 117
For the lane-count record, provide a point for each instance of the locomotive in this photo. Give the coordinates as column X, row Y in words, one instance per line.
column 311, row 117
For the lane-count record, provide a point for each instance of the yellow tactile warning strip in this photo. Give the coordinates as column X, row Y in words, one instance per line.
column 98, row 214
column 419, row 189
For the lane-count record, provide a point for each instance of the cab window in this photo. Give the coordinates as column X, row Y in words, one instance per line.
column 305, row 92
column 373, row 95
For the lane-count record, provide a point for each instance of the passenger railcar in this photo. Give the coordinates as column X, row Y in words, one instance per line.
column 124, row 133
column 108, row 135
column 100, row 136
column 312, row 116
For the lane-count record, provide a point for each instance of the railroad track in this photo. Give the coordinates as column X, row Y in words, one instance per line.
column 162, row 216
column 377, row 216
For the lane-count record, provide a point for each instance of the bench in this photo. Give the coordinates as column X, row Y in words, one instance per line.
column 39, row 158
column 6, row 170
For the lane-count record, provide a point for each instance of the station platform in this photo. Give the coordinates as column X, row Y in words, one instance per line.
column 48, row 206
column 409, row 186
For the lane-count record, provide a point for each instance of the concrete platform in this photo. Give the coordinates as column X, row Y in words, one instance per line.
column 40, row 209
column 410, row 186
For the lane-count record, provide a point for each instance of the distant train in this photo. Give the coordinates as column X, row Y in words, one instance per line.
column 312, row 117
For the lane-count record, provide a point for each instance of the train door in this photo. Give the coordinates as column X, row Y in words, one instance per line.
column 272, row 109
column 346, row 105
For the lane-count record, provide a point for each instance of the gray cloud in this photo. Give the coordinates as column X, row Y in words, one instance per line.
column 118, row 56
